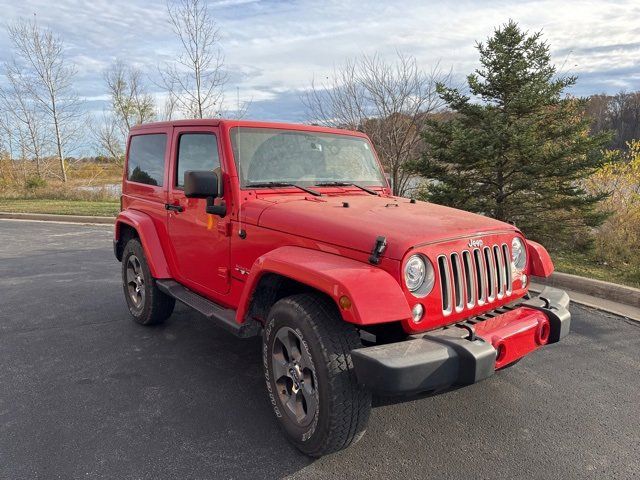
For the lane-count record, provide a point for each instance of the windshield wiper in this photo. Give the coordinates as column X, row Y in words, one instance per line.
column 283, row 184
column 347, row 184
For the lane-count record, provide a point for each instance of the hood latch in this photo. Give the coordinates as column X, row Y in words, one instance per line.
column 378, row 249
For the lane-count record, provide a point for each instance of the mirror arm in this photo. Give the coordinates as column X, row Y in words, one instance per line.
column 220, row 210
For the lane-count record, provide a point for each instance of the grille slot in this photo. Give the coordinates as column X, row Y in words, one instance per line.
column 457, row 282
column 445, row 284
column 507, row 269
column 490, row 274
column 500, row 271
column 480, row 278
column 469, row 279
column 474, row 277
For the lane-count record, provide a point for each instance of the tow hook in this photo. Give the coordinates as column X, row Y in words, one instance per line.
column 469, row 328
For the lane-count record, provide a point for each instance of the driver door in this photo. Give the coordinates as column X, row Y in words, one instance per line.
column 200, row 244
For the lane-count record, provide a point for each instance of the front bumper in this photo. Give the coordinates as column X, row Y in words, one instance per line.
column 464, row 353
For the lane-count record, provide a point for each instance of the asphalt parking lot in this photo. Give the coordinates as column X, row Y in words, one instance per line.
column 86, row 393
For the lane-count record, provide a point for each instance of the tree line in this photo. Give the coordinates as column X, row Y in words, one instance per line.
column 511, row 143
column 619, row 114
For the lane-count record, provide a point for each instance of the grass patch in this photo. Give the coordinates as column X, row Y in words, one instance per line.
column 60, row 207
column 585, row 266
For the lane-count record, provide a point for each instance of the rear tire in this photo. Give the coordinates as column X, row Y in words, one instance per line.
column 147, row 304
column 309, row 374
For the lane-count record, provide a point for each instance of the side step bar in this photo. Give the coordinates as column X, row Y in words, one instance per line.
column 224, row 317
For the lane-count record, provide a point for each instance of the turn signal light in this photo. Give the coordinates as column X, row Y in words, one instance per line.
column 345, row 302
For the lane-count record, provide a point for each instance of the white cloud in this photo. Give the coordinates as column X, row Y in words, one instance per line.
column 274, row 48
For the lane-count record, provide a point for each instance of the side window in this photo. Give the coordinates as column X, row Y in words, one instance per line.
column 196, row 151
column 146, row 159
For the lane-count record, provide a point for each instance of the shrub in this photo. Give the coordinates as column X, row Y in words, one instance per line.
column 33, row 183
column 617, row 240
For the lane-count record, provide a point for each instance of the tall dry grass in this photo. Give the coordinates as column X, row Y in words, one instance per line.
column 87, row 180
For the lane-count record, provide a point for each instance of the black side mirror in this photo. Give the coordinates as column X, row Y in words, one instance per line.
column 200, row 184
column 204, row 184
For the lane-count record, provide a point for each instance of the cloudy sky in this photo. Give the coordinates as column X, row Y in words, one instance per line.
column 274, row 48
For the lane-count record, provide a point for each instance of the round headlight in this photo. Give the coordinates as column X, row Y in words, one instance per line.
column 419, row 276
column 518, row 254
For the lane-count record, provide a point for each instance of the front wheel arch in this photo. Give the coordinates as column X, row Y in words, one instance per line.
column 373, row 295
column 271, row 288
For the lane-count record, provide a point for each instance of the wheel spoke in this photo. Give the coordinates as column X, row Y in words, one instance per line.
column 309, row 395
column 296, row 347
column 279, row 367
column 305, row 360
column 136, row 265
column 131, row 276
column 294, row 404
column 285, row 343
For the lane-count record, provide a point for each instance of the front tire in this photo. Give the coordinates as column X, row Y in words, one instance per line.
column 309, row 374
column 147, row 304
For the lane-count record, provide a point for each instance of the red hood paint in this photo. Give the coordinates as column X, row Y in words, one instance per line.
column 405, row 225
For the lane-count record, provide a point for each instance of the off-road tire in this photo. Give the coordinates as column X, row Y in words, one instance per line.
column 155, row 306
column 343, row 405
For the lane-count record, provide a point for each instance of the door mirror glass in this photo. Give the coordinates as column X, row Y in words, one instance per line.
column 200, row 184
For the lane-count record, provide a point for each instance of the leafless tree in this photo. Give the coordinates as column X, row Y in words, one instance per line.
column 7, row 143
column 130, row 104
column 387, row 100
column 49, row 80
column 6, row 135
column 195, row 81
column 14, row 142
column 109, row 139
column 170, row 107
column 23, row 115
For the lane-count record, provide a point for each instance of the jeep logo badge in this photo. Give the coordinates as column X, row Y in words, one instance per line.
column 475, row 243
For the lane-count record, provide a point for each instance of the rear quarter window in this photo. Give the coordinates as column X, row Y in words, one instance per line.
column 146, row 159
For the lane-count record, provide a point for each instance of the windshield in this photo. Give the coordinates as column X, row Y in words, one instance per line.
column 264, row 155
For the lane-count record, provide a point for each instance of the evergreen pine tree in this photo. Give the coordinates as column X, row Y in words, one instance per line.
column 517, row 148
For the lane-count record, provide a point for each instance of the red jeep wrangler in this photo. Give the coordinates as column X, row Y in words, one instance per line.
column 291, row 232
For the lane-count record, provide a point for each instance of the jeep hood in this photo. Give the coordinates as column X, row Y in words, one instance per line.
column 355, row 221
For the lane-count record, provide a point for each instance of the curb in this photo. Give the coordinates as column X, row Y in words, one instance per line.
column 595, row 288
column 48, row 217
column 602, row 305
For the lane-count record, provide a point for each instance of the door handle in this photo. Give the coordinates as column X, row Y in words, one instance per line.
column 175, row 208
